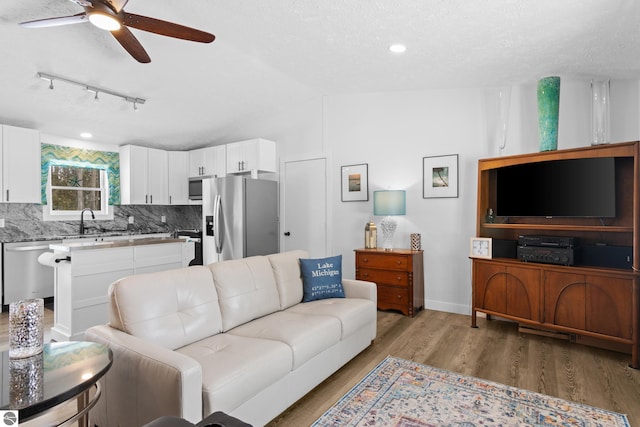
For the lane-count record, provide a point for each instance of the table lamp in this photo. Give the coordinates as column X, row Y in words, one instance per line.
column 389, row 203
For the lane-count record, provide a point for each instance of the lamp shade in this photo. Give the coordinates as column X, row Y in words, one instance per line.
column 389, row 202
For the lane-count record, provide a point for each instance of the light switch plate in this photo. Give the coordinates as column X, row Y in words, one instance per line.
column 130, row 220
column 1, row 222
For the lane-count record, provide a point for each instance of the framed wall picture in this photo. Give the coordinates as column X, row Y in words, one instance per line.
column 481, row 247
column 440, row 176
column 355, row 183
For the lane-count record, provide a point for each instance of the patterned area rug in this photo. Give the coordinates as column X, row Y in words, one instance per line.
column 402, row 393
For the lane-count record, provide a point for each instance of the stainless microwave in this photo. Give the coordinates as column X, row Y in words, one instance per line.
column 195, row 188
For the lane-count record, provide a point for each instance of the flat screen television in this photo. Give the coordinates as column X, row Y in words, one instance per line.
column 558, row 188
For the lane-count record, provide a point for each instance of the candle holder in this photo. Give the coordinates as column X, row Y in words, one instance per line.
column 26, row 334
column 26, row 381
column 415, row 242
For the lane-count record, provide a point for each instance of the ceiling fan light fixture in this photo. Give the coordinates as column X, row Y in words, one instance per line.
column 104, row 21
column 398, row 48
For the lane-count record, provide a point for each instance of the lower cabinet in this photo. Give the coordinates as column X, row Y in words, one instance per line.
column 599, row 303
column 589, row 302
column 514, row 291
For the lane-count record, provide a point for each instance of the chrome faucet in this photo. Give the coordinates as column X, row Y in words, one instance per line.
column 82, row 218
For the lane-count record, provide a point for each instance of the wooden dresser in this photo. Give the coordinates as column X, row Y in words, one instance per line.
column 398, row 274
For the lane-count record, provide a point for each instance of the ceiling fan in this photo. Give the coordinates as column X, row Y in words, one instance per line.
column 110, row 15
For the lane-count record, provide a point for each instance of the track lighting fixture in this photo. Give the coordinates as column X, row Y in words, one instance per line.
column 47, row 77
column 134, row 100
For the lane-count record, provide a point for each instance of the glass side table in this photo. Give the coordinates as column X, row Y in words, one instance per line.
column 62, row 372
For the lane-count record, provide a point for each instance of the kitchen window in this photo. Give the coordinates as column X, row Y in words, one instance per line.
column 72, row 188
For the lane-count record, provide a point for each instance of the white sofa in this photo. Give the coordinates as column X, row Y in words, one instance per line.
column 233, row 336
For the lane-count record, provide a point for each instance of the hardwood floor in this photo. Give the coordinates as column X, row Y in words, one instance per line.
column 495, row 351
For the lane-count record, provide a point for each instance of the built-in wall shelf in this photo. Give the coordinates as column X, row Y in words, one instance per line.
column 545, row 227
column 599, row 299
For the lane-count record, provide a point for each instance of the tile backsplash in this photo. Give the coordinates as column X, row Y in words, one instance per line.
column 23, row 221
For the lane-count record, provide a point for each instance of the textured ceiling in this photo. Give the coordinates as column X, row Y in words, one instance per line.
column 270, row 55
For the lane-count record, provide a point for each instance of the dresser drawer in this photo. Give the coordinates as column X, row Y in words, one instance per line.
column 385, row 262
column 390, row 295
column 398, row 278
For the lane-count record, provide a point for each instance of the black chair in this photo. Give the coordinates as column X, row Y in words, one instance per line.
column 217, row 419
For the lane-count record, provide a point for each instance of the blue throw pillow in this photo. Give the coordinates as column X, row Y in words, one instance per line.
column 321, row 278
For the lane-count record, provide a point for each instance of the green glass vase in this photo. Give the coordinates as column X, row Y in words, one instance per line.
column 548, row 108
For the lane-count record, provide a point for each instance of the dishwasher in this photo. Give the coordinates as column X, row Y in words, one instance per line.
column 23, row 276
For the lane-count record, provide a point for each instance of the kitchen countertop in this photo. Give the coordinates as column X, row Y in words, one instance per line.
column 92, row 244
column 94, row 235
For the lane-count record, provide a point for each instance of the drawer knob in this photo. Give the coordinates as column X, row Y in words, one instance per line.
column 398, row 278
column 366, row 274
column 399, row 296
column 365, row 259
column 398, row 262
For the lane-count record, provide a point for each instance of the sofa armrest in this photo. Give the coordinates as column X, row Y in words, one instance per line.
column 360, row 289
column 145, row 381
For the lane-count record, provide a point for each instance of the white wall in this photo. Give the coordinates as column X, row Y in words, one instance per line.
column 392, row 132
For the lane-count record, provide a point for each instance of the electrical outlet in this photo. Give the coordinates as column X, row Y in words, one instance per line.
column 130, row 220
column 1, row 222
column 163, row 219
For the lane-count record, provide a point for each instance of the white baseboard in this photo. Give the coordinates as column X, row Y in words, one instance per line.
column 448, row 307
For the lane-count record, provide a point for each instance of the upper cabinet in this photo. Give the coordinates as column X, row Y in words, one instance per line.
column 255, row 154
column 178, row 177
column 143, row 176
column 208, row 161
column 20, row 180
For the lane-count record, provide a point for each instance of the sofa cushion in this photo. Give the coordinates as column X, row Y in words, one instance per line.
column 171, row 308
column 246, row 289
column 307, row 335
column 286, row 269
column 236, row 368
column 321, row 278
column 353, row 313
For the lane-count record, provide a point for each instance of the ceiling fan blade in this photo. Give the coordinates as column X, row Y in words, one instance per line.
column 116, row 5
column 165, row 28
column 54, row 22
column 131, row 44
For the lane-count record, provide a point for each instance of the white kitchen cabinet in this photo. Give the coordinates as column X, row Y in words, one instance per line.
column 255, row 154
column 144, row 177
column 20, row 180
column 208, row 161
column 81, row 296
column 178, row 177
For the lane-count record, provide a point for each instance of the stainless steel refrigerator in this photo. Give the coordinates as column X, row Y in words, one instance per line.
column 240, row 216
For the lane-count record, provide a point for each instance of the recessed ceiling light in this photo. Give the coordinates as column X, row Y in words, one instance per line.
column 398, row 48
column 86, row 135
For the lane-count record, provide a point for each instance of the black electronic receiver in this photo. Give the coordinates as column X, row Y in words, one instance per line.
column 546, row 254
column 547, row 241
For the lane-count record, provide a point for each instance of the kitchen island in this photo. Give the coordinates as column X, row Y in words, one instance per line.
column 84, row 269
